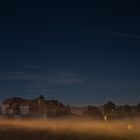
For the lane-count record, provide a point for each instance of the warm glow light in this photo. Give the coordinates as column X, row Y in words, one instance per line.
column 105, row 118
column 130, row 127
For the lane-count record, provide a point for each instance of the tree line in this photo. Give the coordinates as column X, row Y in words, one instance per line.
column 110, row 111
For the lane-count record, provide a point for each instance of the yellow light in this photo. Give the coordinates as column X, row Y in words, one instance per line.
column 130, row 127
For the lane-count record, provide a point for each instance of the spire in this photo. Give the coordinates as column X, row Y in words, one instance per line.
column 41, row 97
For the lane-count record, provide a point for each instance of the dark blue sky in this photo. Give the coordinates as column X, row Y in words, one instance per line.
column 79, row 52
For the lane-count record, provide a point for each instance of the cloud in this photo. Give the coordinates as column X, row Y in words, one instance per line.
column 42, row 76
column 122, row 34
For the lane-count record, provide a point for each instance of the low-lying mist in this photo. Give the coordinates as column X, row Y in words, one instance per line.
column 90, row 126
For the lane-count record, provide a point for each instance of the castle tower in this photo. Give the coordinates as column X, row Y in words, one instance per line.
column 42, row 106
column 41, row 100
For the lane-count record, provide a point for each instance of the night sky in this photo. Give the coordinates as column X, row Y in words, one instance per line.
column 78, row 52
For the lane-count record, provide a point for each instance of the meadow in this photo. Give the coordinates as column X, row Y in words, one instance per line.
column 69, row 129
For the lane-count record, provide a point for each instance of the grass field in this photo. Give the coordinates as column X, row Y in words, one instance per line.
column 68, row 130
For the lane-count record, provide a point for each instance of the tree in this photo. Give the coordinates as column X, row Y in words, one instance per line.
column 109, row 107
column 94, row 112
column 138, row 108
column 127, row 110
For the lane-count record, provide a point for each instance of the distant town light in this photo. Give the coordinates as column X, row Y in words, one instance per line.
column 130, row 127
column 105, row 118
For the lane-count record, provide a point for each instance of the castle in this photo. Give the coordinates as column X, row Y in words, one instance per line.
column 37, row 108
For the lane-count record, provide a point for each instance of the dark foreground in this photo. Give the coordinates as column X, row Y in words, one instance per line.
column 13, row 130
column 46, row 135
